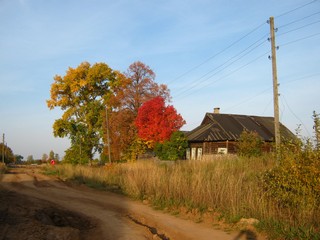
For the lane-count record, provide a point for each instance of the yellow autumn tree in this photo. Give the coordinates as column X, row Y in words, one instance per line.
column 82, row 93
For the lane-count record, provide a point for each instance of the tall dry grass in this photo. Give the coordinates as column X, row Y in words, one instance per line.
column 230, row 186
column 227, row 185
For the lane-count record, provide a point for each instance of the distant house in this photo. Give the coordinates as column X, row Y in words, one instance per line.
column 218, row 133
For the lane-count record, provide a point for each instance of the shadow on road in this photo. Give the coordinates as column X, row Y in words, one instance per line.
column 247, row 235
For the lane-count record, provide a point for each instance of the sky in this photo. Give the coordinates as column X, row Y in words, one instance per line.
column 210, row 53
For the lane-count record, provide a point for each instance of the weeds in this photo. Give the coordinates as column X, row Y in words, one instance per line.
column 232, row 187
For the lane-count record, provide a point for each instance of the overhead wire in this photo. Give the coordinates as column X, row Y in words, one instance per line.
column 298, row 20
column 268, row 89
column 299, row 39
column 285, row 101
column 295, row 9
column 243, row 52
column 292, row 30
column 302, row 78
column 230, row 73
column 249, row 98
column 198, row 81
column 186, row 92
column 209, row 77
column 217, row 54
column 291, row 42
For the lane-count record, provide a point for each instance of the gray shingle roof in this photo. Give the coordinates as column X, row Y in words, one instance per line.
column 222, row 127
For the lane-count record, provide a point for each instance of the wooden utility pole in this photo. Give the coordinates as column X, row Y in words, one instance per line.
column 108, row 137
column 275, row 88
column 3, row 148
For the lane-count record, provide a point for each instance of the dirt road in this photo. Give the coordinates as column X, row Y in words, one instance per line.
column 35, row 206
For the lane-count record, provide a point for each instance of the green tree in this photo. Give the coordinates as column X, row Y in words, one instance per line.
column 173, row 149
column 82, row 94
column 30, row 159
column 18, row 158
column 44, row 157
column 51, row 155
column 75, row 156
column 249, row 144
column 7, row 154
column 56, row 157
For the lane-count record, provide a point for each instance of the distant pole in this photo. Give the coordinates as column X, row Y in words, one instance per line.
column 3, row 148
column 108, row 137
column 275, row 89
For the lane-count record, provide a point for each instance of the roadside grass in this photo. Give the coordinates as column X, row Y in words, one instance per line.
column 225, row 188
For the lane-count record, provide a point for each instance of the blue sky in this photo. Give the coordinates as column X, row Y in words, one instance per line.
column 210, row 53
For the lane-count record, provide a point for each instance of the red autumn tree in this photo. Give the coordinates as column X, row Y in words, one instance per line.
column 156, row 121
column 136, row 86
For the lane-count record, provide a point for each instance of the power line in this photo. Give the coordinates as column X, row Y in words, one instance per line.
column 298, row 20
column 302, row 78
column 295, row 9
column 217, row 54
column 250, row 98
column 230, row 73
column 292, row 30
column 243, row 52
column 241, row 38
column 268, row 89
column 300, row 39
column 295, row 115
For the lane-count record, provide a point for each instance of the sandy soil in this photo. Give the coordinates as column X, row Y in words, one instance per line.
column 35, row 206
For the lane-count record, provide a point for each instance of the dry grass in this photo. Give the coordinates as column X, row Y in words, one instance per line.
column 226, row 185
column 230, row 186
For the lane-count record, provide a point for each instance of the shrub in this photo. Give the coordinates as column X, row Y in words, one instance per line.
column 249, row 144
column 295, row 181
column 173, row 149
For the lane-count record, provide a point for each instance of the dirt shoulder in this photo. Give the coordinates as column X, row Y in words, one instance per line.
column 34, row 206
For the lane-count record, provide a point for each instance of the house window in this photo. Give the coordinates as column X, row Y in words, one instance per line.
column 193, row 153
column 222, row 150
column 199, row 154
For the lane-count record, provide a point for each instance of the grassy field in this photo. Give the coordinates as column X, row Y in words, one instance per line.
column 230, row 188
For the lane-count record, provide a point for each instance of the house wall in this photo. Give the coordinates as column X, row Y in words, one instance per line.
column 198, row 151
column 219, row 147
column 195, row 151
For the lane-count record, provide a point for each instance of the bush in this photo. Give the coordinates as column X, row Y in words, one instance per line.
column 295, row 181
column 249, row 144
column 173, row 149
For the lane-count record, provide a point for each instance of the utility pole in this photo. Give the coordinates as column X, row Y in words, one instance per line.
column 3, row 148
column 108, row 137
column 275, row 88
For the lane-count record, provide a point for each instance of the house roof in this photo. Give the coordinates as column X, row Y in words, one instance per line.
column 222, row 127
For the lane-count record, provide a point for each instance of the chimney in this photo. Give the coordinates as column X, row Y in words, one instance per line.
column 216, row 110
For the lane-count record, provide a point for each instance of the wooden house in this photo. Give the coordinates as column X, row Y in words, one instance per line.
column 218, row 133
